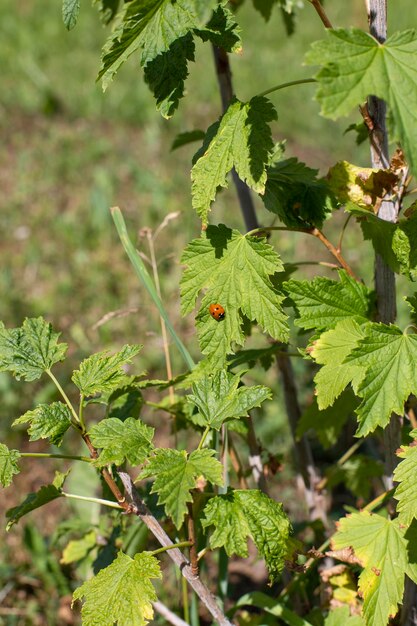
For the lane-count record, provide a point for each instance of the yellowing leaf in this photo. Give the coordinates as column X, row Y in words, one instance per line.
column 384, row 551
column 122, row 592
column 361, row 185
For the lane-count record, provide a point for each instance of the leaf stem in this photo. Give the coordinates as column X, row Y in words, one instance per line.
column 80, row 414
column 180, row 544
column 146, row 280
column 346, row 456
column 203, row 437
column 301, row 81
column 64, row 395
column 73, row 496
column 47, row 455
column 316, row 232
column 321, row 13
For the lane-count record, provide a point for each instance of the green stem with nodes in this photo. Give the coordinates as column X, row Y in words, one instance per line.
column 180, row 544
column 302, row 81
column 73, row 496
column 64, row 395
column 46, row 455
column 203, row 437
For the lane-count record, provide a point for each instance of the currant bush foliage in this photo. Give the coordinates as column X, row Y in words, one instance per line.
column 361, row 366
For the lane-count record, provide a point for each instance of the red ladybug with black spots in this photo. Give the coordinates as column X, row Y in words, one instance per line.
column 217, row 311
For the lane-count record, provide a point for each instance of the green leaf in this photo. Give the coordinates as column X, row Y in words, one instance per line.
column 394, row 242
column 331, row 350
column 341, row 617
column 176, row 474
column 130, row 440
column 70, row 11
column 236, row 272
column 30, row 350
column 222, row 30
column 47, row 421
column 107, row 9
column 405, row 476
column 355, row 65
column 383, row 549
column 322, row 303
column 78, row 549
column 8, row 464
column 328, row 423
column 356, row 473
column 218, row 398
column 242, row 513
column 122, row 592
column 296, row 195
column 166, row 74
column 187, row 137
column 270, row 605
column 153, row 25
column 389, row 358
column 33, row 501
column 243, row 141
column 101, row 373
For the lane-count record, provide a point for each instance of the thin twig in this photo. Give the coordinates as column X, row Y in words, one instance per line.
column 334, row 251
column 168, row 614
column 321, row 13
column 192, row 539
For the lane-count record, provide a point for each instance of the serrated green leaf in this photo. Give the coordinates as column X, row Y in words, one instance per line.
column 341, row 617
column 47, row 421
column 30, row 350
column 122, row 592
column 218, row 398
column 394, row 242
column 389, row 358
column 383, row 549
column 328, row 423
column 323, row 303
column 153, row 25
column 243, row 141
column 70, row 11
column 101, row 373
column 241, row 513
column 331, row 350
column 236, row 272
column 33, row 501
column 296, row 195
column 78, row 549
column 166, row 74
column 8, row 464
column 130, row 440
column 355, row 66
column 222, row 30
column 405, row 476
column 356, row 474
column 176, row 474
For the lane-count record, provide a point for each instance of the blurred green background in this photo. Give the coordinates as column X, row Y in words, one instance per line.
column 69, row 152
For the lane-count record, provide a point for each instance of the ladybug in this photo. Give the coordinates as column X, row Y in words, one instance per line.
column 217, row 311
